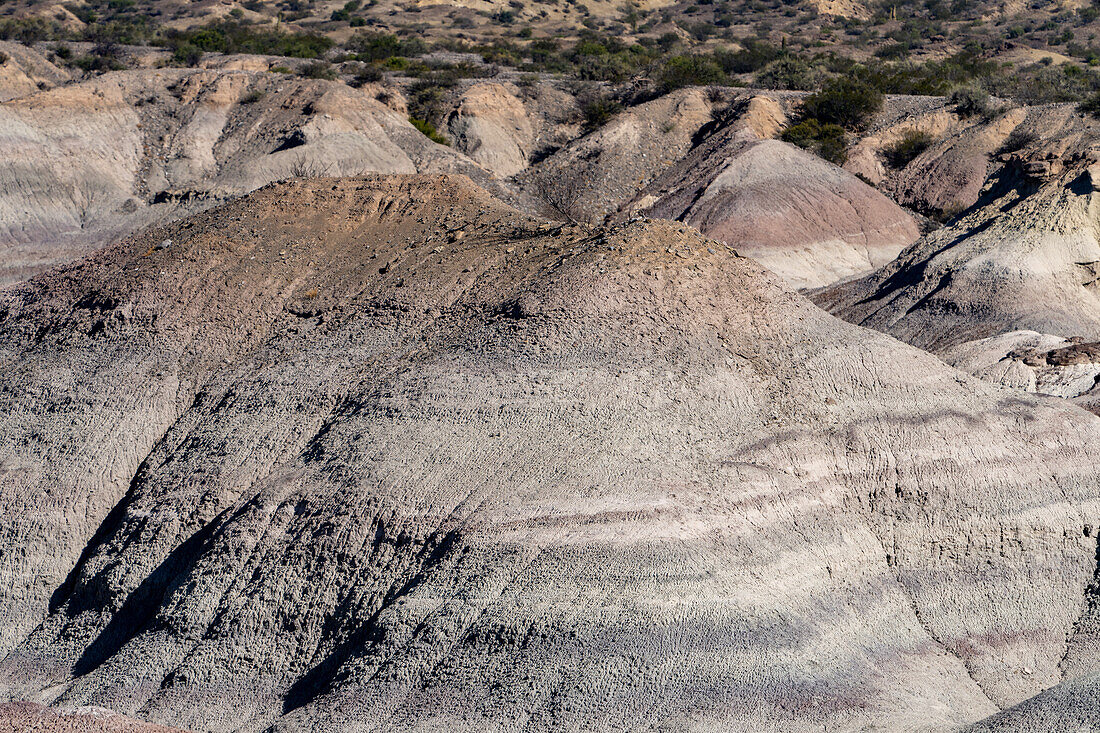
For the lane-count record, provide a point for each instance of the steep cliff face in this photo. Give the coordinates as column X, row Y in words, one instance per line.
column 384, row 451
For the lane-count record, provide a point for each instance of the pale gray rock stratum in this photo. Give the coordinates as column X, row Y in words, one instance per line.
column 803, row 218
column 1035, row 362
column 88, row 162
column 25, row 716
column 384, row 453
column 1027, row 258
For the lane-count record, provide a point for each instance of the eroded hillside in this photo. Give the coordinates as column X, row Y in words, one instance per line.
column 385, row 451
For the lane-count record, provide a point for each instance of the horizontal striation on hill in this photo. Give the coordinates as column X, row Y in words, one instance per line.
column 383, row 451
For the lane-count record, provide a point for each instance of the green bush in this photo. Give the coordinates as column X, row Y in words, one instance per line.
column 318, row 70
column 848, row 103
column 233, row 37
column 98, row 63
column 369, row 74
column 970, row 102
column 382, row 46
column 754, row 55
column 685, row 71
column 428, row 129
column 186, row 54
column 911, row 144
column 597, row 110
column 827, row 140
column 1091, row 106
column 790, row 73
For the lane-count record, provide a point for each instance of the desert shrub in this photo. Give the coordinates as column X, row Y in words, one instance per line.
column 971, row 101
column 381, row 46
column 369, row 74
column 825, row 139
column 30, row 31
column 429, row 131
column 3, row 58
column 893, row 51
column 234, row 37
column 186, row 54
column 1017, row 140
column 318, row 70
column 597, row 109
column 848, row 103
column 1046, row 84
column 790, row 73
column 427, row 97
column 754, row 55
column 911, row 144
column 252, row 97
column 98, row 63
column 1091, row 106
column 684, row 71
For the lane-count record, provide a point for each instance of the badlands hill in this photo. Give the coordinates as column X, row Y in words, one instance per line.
column 383, row 452
column 93, row 161
column 708, row 158
column 87, row 162
column 1024, row 256
column 798, row 215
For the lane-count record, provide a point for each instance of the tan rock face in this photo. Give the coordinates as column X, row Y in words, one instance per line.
column 605, row 169
column 26, row 71
column 492, row 127
column 402, row 457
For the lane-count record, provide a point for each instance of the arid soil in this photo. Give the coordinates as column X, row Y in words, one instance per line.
column 384, row 451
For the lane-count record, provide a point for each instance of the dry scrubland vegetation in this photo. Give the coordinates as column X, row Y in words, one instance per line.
column 618, row 55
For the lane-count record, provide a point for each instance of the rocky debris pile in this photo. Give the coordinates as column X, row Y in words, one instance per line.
column 387, row 466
